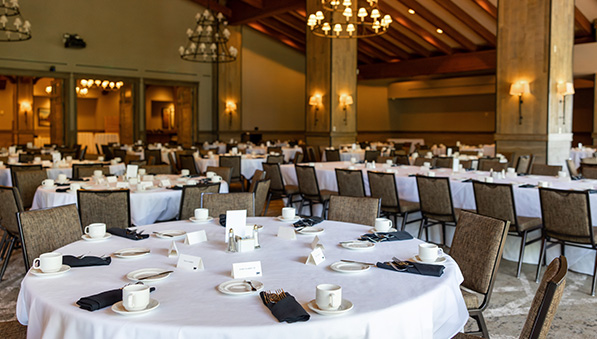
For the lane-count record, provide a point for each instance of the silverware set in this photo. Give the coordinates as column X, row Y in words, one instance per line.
column 155, row 275
column 250, row 284
column 274, row 297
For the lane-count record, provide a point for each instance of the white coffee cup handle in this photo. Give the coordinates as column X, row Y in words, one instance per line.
column 36, row 263
column 440, row 252
column 331, row 300
column 86, row 230
column 44, row 182
column 391, row 224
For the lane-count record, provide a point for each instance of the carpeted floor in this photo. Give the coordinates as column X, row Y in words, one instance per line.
column 576, row 317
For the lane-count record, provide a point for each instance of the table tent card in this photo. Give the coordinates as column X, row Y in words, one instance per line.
column 165, row 183
column 148, row 178
column 173, row 250
column 236, row 220
column 286, row 232
column 193, row 238
column 122, row 185
column 247, row 269
column 112, row 179
column 316, row 257
column 246, row 245
column 190, row 262
column 131, row 171
column 316, row 244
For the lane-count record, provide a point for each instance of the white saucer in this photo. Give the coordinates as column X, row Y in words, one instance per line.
column 119, row 308
column 344, row 307
column 349, row 267
column 49, row 188
column 437, row 261
column 134, row 252
column 296, row 218
column 310, row 230
column 171, row 234
column 62, row 182
column 390, row 230
column 38, row 272
column 239, row 287
column 197, row 221
column 88, row 238
column 357, row 245
column 138, row 275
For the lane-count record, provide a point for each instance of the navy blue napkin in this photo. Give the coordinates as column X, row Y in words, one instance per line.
column 101, row 300
column 222, row 220
column 468, row 180
column 73, row 261
column 417, row 268
column 62, row 190
column 527, row 186
column 387, row 236
column 127, row 233
column 287, row 309
column 176, row 188
column 309, row 221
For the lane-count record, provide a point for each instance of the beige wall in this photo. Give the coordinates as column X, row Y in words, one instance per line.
column 153, row 120
column 7, row 106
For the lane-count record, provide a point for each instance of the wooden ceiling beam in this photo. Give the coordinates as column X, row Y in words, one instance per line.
column 413, row 27
column 484, row 61
column 433, row 19
column 292, row 21
column 215, row 6
column 368, row 46
column 408, row 42
column 267, row 31
column 364, row 58
column 582, row 22
column 488, row 7
column 243, row 13
column 254, row 3
column 387, row 45
column 468, row 20
column 283, row 29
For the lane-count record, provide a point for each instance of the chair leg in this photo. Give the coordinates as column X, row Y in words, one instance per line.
column 521, row 255
column 300, row 211
column 269, row 197
column 421, row 226
column 594, row 274
column 404, row 217
column 4, row 244
column 477, row 315
column 541, row 254
column 310, row 207
column 444, row 233
column 8, row 254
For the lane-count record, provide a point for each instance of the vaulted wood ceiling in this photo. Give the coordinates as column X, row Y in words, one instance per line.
column 412, row 46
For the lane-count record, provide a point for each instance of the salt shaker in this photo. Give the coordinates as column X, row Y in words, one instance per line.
column 256, row 237
column 231, row 241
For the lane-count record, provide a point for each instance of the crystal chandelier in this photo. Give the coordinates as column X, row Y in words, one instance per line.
column 208, row 42
column 337, row 20
column 11, row 22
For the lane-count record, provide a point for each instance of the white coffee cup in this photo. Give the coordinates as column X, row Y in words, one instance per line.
column 216, row 178
column 312, row 164
column 113, row 162
column 48, row 183
column 389, row 162
column 353, row 160
column 75, row 187
column 351, row 168
column 430, row 174
column 135, row 297
column 210, row 174
column 288, row 213
column 201, row 213
column 383, row 224
column 141, row 171
column 100, row 158
column 543, row 183
column 328, row 296
column 429, row 252
column 69, row 158
column 562, row 174
column 36, row 160
column 117, row 159
column 61, row 178
column 96, row 230
column 98, row 173
column 489, row 179
column 48, row 262
column 184, row 172
column 511, row 170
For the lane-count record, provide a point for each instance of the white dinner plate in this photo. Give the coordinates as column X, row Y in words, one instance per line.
column 88, row 238
column 344, row 307
column 310, row 230
column 239, row 287
column 357, row 245
column 134, row 252
column 197, row 221
column 296, row 218
column 119, row 308
column 349, row 267
column 38, row 272
column 437, row 261
column 170, row 234
column 138, row 275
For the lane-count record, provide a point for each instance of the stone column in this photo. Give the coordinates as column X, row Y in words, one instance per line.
column 228, row 84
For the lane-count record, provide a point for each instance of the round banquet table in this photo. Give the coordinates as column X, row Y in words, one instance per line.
column 147, row 206
column 577, row 154
column 248, row 164
column 53, row 172
column 387, row 304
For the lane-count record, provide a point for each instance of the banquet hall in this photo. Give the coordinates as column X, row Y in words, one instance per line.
column 441, row 116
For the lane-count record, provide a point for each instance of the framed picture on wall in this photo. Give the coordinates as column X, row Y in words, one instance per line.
column 168, row 118
column 43, row 116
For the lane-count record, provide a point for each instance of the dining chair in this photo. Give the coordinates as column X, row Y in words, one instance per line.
column 191, row 198
column 589, row 160
column 234, row 162
column 309, row 189
column 383, row 185
column 524, row 163
column 420, row 161
column 120, row 153
column 275, row 149
column 567, row 221
column 26, row 157
column 13, row 329
column 46, row 230
column 541, row 169
column 224, row 172
column 356, row 210
column 187, row 161
column 466, row 164
column 437, row 208
column 261, row 191
column 157, row 169
column 278, row 189
column 82, row 153
column 572, row 169
column 219, row 203
column 545, row 303
column 111, row 207
column 588, row 171
column 477, row 249
column 402, row 159
column 383, row 159
column 137, row 162
column 350, row 182
column 10, row 205
column 107, row 151
column 332, row 155
column 371, row 155
column 257, row 175
column 312, row 156
column 16, row 168
column 488, row 164
column 497, row 200
column 298, row 158
column 275, row 159
column 156, row 154
column 27, row 183
column 444, row 162
column 172, row 161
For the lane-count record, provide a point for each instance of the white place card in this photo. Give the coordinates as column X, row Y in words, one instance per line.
column 173, row 250
column 165, row 183
column 316, row 257
column 237, row 220
column 122, row 185
column 146, row 184
column 56, row 156
column 131, row 171
column 286, row 232
column 112, row 179
column 316, row 244
column 193, row 238
column 190, row 262
column 133, row 181
column 246, row 269
column 246, row 245
column 148, row 178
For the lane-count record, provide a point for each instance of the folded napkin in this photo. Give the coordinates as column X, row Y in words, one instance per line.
column 417, row 268
column 468, row 180
column 527, row 186
column 126, row 233
column 73, row 261
column 62, row 190
column 176, row 188
column 63, row 185
column 101, row 300
column 387, row 236
column 309, row 221
column 412, row 175
column 287, row 309
column 79, row 179
column 223, row 220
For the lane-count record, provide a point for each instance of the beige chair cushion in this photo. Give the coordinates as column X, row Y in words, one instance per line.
column 409, row 206
column 471, row 300
column 527, row 224
column 291, row 189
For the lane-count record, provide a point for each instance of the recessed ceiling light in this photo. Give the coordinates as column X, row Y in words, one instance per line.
column 411, row 11
column 439, row 31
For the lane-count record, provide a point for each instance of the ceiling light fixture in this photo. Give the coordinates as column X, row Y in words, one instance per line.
column 439, row 31
column 411, row 11
column 12, row 24
column 337, row 20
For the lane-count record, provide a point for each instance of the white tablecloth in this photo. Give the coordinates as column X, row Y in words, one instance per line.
column 387, row 304
column 247, row 165
column 147, row 207
column 5, row 179
column 413, row 142
column 289, row 152
column 577, row 154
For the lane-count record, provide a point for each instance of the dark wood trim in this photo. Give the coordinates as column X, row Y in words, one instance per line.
column 382, row 43
column 488, row 7
column 582, row 22
column 215, row 6
column 278, row 36
column 243, row 13
column 408, row 42
column 282, row 28
column 468, row 20
column 254, row 3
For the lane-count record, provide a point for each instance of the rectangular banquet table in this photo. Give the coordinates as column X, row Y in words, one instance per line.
column 387, row 304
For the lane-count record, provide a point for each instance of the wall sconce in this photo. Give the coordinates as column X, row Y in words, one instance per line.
column 25, row 107
column 564, row 89
column 345, row 101
column 519, row 89
column 230, row 109
column 48, row 89
column 316, row 101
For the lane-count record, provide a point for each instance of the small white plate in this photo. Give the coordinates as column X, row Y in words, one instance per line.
column 344, row 307
column 197, row 221
column 138, row 275
column 349, row 267
column 357, row 245
column 134, row 252
column 88, row 238
column 310, row 230
column 390, row 230
column 296, row 218
column 38, row 272
column 171, row 234
column 119, row 308
column 239, row 287
column 437, row 261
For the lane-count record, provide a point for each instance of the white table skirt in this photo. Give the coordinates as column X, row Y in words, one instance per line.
column 527, row 204
column 6, row 180
column 387, row 304
column 247, row 165
column 147, row 207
